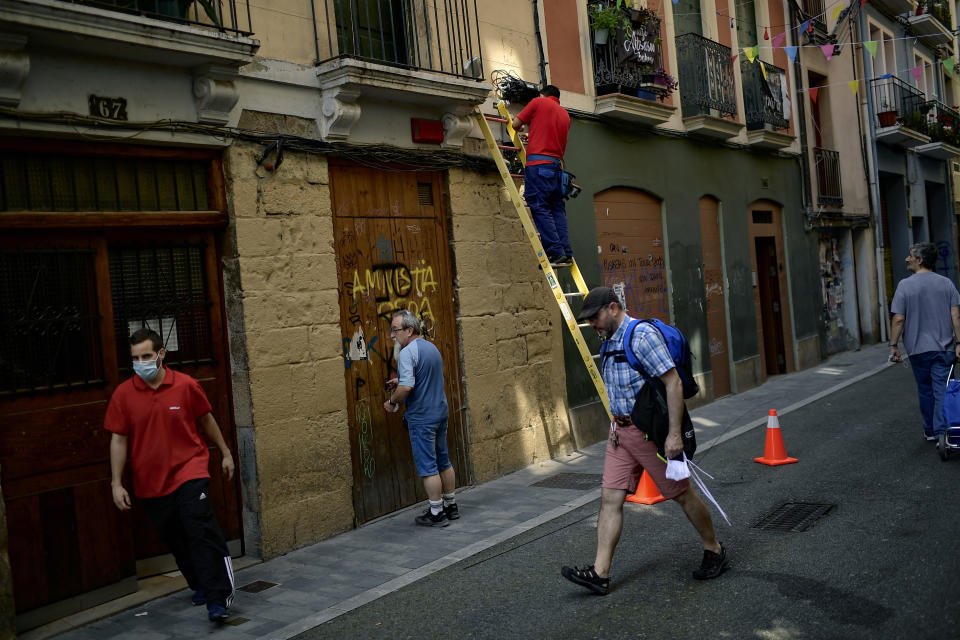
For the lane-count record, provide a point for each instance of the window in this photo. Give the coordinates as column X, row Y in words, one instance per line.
column 886, row 59
column 925, row 82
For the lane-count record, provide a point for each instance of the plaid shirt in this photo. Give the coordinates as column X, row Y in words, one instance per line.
column 623, row 382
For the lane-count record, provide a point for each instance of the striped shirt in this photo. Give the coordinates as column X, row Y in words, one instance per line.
column 623, row 382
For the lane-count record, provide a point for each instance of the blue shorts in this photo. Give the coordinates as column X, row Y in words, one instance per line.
column 429, row 444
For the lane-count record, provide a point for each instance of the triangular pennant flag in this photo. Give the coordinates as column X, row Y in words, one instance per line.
column 734, row 57
column 863, row 3
column 778, row 39
column 854, row 86
column 916, row 72
column 948, row 64
column 763, row 70
column 886, row 75
column 836, row 11
column 827, row 50
column 809, row 26
column 871, row 46
column 814, row 91
column 751, row 52
column 803, row 27
column 791, row 53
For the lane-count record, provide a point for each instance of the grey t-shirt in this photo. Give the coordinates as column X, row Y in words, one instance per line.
column 925, row 300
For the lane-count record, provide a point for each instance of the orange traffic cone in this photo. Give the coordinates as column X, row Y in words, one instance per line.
column 647, row 492
column 774, row 453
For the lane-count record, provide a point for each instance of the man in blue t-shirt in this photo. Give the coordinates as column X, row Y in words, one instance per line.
column 420, row 386
column 926, row 311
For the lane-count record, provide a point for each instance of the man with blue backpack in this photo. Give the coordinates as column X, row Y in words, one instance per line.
column 636, row 360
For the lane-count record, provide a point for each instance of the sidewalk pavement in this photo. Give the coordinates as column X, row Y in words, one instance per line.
column 282, row 597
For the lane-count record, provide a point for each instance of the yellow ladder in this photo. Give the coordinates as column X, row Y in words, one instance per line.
column 496, row 150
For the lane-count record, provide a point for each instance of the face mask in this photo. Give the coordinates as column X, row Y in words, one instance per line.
column 147, row 369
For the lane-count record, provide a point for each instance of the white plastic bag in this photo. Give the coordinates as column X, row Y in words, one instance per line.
column 678, row 469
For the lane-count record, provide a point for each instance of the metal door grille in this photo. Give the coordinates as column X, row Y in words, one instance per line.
column 44, row 182
column 49, row 320
column 163, row 287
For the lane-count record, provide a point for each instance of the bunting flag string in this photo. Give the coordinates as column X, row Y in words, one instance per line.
column 827, row 51
column 791, row 53
column 949, row 65
column 915, row 71
column 751, row 53
column 854, row 86
column 871, row 46
column 814, row 92
column 778, row 39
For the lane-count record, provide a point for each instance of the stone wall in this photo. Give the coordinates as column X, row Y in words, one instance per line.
column 510, row 332
column 285, row 322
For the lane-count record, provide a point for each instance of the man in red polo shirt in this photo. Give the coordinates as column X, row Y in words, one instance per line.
column 549, row 125
column 157, row 417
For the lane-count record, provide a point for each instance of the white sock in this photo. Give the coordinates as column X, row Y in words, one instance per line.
column 449, row 499
column 436, row 507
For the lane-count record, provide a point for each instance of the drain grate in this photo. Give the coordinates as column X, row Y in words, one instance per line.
column 793, row 516
column 257, row 586
column 578, row 481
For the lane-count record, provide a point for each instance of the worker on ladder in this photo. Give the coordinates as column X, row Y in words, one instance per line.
column 543, row 191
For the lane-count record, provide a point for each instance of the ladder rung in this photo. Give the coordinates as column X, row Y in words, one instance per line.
column 506, row 147
column 571, row 295
column 583, row 325
column 495, row 118
column 516, row 175
column 595, row 356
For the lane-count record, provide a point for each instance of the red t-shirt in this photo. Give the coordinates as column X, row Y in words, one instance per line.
column 165, row 447
column 549, row 124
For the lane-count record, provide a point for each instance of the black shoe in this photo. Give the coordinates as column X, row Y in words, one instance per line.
column 712, row 565
column 430, row 520
column 452, row 511
column 198, row 598
column 216, row 613
column 561, row 261
column 588, row 578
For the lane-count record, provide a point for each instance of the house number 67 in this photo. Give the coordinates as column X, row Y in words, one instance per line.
column 111, row 108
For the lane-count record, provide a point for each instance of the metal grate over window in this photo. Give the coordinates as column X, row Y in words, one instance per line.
column 46, row 182
column 49, row 320
column 163, row 287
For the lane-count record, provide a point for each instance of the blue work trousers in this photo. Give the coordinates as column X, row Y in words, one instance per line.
column 543, row 194
column 930, row 369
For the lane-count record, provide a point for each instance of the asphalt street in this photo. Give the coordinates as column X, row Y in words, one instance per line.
column 883, row 563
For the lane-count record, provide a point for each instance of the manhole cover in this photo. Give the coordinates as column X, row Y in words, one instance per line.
column 257, row 586
column 794, row 516
column 578, row 481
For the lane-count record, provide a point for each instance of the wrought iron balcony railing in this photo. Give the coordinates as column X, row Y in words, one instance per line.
column 764, row 96
column 223, row 15
column 942, row 123
column 706, row 76
column 426, row 35
column 829, row 191
column 896, row 102
column 813, row 10
column 626, row 62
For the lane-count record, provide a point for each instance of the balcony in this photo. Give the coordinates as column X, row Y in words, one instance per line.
column 901, row 110
column 829, row 191
column 706, row 73
column 813, row 10
column 943, row 127
column 897, row 7
column 425, row 54
column 624, row 76
column 210, row 44
column 765, row 100
column 216, row 14
column 933, row 24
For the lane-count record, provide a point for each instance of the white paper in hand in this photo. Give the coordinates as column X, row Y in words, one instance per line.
column 677, row 469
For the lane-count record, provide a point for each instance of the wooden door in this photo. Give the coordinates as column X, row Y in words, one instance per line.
column 69, row 302
column 392, row 253
column 771, row 309
column 632, row 262
column 713, row 295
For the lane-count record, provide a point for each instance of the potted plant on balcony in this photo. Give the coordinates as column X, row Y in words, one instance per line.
column 887, row 116
column 605, row 18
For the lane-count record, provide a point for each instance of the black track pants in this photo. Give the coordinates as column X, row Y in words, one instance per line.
column 185, row 522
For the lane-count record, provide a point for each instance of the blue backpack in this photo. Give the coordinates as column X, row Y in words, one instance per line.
column 677, row 346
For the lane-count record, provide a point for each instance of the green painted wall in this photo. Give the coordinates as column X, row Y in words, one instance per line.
column 680, row 171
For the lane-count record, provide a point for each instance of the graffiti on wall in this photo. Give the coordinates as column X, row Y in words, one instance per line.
column 642, row 282
column 365, row 437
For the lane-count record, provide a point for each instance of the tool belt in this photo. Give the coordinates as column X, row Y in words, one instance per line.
column 623, row 421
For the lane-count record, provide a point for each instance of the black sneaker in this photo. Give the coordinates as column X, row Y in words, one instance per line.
column 217, row 614
column 452, row 511
column 198, row 598
column 430, row 520
column 588, row 578
column 712, row 565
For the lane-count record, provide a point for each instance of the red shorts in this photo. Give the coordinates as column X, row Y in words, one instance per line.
column 623, row 466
